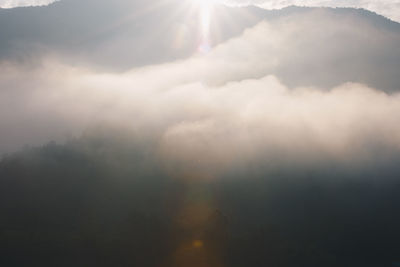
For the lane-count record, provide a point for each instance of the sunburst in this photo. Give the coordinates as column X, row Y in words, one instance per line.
column 205, row 13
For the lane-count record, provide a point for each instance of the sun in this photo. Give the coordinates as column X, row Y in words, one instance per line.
column 205, row 9
column 205, row 3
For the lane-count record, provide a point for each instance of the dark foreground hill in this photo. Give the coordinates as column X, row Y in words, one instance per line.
column 94, row 202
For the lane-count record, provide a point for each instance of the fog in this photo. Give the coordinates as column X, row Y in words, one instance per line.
column 274, row 141
column 250, row 117
column 253, row 91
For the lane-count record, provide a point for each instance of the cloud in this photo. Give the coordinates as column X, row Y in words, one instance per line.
column 20, row 3
column 198, row 126
column 252, row 97
column 301, row 53
column 388, row 8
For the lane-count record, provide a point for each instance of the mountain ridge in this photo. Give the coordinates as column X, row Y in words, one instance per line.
column 347, row 45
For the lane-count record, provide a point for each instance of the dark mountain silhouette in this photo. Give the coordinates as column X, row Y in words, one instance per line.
column 119, row 34
column 76, row 205
column 346, row 45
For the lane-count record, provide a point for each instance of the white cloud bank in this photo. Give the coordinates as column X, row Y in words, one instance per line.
column 196, row 118
column 213, row 110
column 204, row 127
column 387, row 8
column 20, row 3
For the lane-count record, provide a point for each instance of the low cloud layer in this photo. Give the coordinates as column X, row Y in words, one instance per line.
column 286, row 90
column 200, row 126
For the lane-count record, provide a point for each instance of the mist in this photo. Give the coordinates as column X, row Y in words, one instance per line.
column 274, row 141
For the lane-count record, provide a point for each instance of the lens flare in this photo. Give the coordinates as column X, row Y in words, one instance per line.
column 205, row 14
